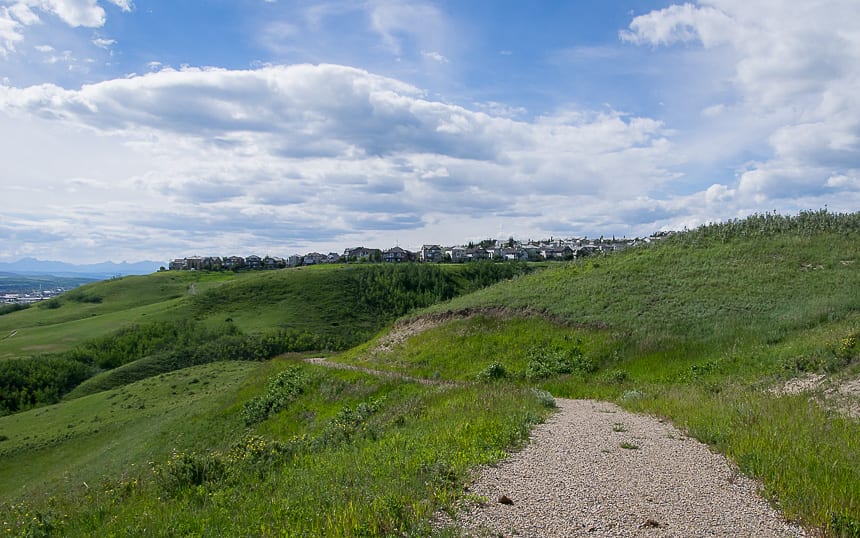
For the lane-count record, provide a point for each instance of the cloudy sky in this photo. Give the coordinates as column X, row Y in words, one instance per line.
column 153, row 129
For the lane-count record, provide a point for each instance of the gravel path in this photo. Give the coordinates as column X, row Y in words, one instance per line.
column 594, row 469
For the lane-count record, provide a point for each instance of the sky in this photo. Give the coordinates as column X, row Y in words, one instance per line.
column 156, row 129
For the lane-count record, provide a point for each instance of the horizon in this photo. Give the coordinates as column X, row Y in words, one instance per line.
column 143, row 131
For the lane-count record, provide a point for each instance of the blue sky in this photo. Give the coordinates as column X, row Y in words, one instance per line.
column 156, row 129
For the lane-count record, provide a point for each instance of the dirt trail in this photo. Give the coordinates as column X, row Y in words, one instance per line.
column 594, row 469
column 321, row 361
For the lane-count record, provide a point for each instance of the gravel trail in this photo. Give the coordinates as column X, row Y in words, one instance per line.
column 594, row 469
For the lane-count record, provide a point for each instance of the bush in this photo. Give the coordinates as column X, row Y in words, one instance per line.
column 493, row 372
column 545, row 398
column 281, row 391
column 184, row 469
column 544, row 363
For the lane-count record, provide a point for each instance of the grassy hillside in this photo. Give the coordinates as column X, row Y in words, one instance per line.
column 699, row 327
column 112, row 333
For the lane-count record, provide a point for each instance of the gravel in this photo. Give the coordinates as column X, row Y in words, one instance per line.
column 594, row 469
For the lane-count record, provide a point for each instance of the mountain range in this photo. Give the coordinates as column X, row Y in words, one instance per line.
column 32, row 266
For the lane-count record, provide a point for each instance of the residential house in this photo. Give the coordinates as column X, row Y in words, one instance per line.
column 233, row 262
column 314, row 258
column 362, row 254
column 254, row 262
column 396, row 255
column 455, row 254
column 430, row 253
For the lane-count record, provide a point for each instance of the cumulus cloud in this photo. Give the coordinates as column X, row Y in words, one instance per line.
column 337, row 149
column 795, row 75
column 17, row 15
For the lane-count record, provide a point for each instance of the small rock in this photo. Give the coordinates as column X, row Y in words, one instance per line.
column 650, row 524
column 504, row 499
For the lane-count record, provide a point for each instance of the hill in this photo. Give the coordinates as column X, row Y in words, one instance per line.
column 703, row 327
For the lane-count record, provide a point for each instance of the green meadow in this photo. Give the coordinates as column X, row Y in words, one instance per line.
column 185, row 407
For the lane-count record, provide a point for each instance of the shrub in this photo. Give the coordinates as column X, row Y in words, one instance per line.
column 544, row 363
column 281, row 391
column 545, row 398
column 186, row 469
column 493, row 372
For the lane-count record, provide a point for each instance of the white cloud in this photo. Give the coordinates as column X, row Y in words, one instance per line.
column 435, row 56
column 12, row 21
column 103, row 43
column 17, row 15
column 793, row 84
column 318, row 151
column 682, row 23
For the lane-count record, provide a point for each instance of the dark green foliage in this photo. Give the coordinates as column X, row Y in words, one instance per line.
column 9, row 308
column 139, row 341
column 185, row 469
column 26, row 383
column 549, row 362
column 50, row 304
column 349, row 422
column 493, row 372
column 280, row 392
column 485, row 273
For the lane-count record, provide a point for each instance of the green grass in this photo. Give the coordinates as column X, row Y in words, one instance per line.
column 352, row 455
column 461, row 349
column 695, row 328
column 58, row 448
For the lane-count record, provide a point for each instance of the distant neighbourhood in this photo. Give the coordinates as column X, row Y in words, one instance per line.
column 30, row 297
column 490, row 249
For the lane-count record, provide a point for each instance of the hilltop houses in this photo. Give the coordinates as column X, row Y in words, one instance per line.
column 491, row 250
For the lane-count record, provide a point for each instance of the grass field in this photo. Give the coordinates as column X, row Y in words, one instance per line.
column 698, row 328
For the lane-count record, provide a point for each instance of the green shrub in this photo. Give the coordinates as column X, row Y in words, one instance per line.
column 544, row 363
column 280, row 392
column 493, row 372
column 186, row 469
column 545, row 398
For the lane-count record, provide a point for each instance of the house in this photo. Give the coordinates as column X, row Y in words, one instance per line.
column 313, row 258
column 212, row 263
column 456, row 254
column 254, row 262
column 177, row 265
column 194, row 263
column 233, row 262
column 274, row 262
column 430, row 253
column 396, row 255
column 362, row 254
column 513, row 254
column 332, row 257
column 557, row 253
column 477, row 253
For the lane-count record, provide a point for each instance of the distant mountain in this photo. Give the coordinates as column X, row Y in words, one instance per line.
column 32, row 266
